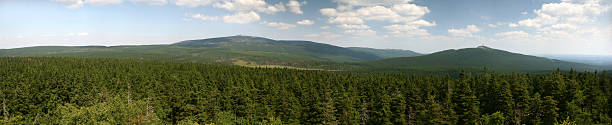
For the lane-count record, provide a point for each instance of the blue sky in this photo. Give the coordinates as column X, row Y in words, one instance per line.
column 524, row 26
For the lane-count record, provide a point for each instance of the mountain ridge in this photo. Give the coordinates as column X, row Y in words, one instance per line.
column 477, row 58
column 240, row 50
column 258, row 51
column 387, row 53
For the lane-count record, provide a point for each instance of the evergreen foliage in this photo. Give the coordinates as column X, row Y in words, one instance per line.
column 50, row 90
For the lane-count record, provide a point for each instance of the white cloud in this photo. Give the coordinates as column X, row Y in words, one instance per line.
column 246, row 5
column 312, row 35
column 305, row 22
column 587, row 40
column 151, row 2
column 564, row 26
column 194, row 3
column 366, row 32
column 241, row 17
column 396, row 14
column 492, row 25
column 103, row 2
column 498, row 24
column 410, row 29
column 410, row 10
column 250, row 5
column 564, row 29
column 379, row 13
column 569, row 24
column 398, row 27
column 329, row 11
column 524, row 13
column 371, row 2
column 485, row 17
column 330, row 36
column 72, row 4
column 353, row 26
column 591, row 8
column 325, row 27
column 542, row 19
column 466, row 32
column 354, row 14
column 82, row 34
column 325, row 35
column 568, row 20
column 346, row 20
column 422, row 23
column 407, row 32
column 48, row 35
column 513, row 34
column 512, row 25
column 279, row 25
column 295, row 6
column 567, row 11
column 409, row 26
column 77, row 34
column 204, row 17
column 472, row 28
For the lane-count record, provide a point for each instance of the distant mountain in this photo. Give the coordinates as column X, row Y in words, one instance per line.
column 304, row 49
column 241, row 50
column 473, row 59
column 586, row 59
column 387, row 53
column 258, row 51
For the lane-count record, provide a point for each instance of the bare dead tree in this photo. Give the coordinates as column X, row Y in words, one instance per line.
column 148, row 108
column 129, row 94
column 411, row 116
column 4, row 109
column 36, row 118
column 364, row 114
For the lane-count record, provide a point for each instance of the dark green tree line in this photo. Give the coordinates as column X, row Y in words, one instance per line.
column 114, row 91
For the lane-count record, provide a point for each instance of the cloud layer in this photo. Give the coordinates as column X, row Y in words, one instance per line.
column 568, row 22
column 468, row 31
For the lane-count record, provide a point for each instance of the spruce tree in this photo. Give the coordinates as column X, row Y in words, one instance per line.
column 466, row 104
column 550, row 113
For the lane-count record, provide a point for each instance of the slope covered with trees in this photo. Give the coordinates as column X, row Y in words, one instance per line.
column 262, row 52
column 387, row 53
column 474, row 59
column 113, row 91
column 222, row 50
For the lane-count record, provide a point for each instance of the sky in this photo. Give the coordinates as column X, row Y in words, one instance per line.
column 426, row 26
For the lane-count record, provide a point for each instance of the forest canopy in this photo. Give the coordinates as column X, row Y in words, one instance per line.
column 56, row 90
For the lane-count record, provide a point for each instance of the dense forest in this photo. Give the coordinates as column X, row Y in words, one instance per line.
column 56, row 90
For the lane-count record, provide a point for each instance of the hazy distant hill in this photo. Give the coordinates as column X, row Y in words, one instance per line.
column 476, row 59
column 387, row 53
column 586, row 59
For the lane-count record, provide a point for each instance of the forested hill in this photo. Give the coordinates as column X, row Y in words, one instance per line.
column 227, row 50
column 387, row 53
column 477, row 58
column 253, row 51
column 298, row 48
column 111, row 91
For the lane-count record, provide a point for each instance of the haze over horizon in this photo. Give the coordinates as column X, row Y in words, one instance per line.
column 426, row 26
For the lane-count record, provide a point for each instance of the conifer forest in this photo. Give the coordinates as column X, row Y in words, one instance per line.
column 61, row 90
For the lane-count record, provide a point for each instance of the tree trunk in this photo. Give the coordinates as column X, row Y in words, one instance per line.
column 6, row 114
column 36, row 118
